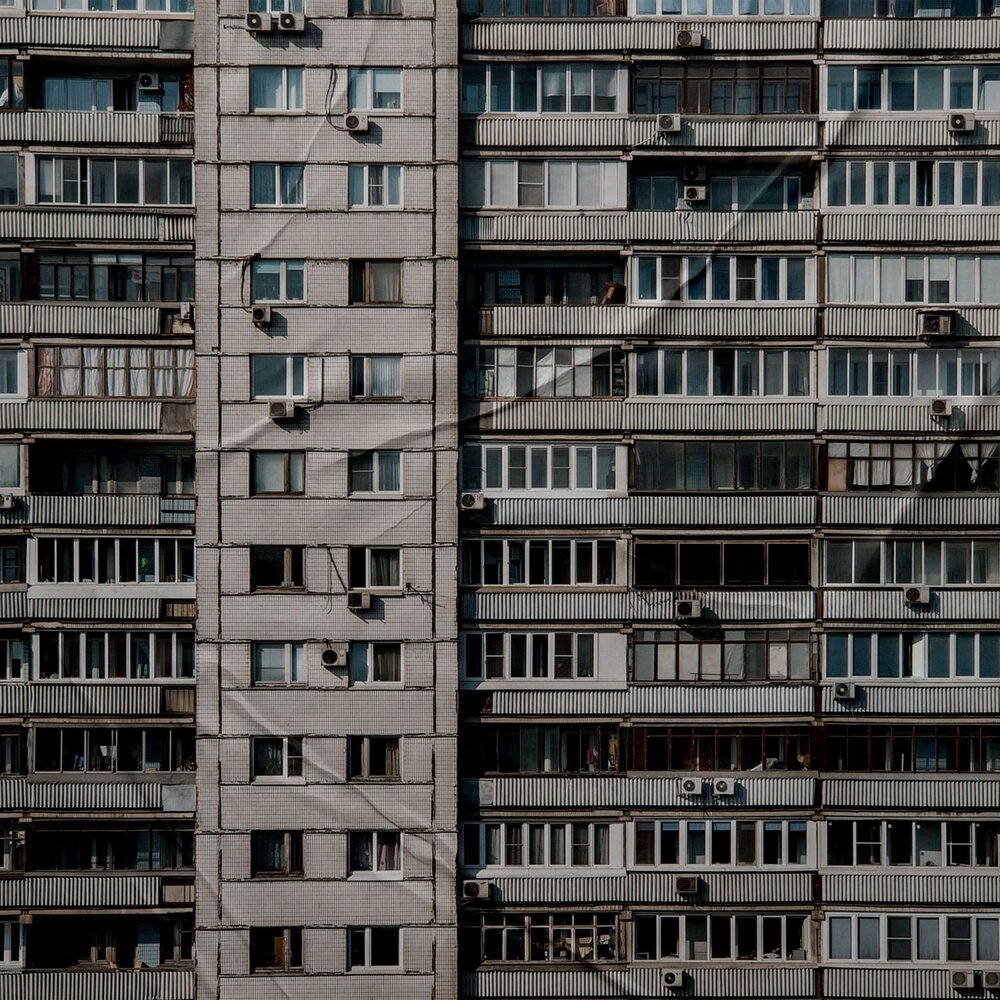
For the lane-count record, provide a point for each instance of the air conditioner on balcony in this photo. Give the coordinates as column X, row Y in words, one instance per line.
column 186, row 311
column 991, row 980
column 917, row 595
column 334, row 655
column 7, row 501
column 359, row 600
column 690, row 784
column 686, row 885
column 961, row 121
column 685, row 39
column 668, row 123
column 258, row 22
column 723, row 788
column 477, row 888
column 281, row 409
column 933, row 323
column 472, row 501
column 940, row 407
column 845, row 691
column 261, row 315
column 684, row 610
column 356, row 123
column 291, row 23
column 695, row 192
column 693, row 173
column 963, row 979
column 673, row 979
column 149, row 82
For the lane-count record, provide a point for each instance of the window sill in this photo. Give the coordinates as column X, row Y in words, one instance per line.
column 376, row 494
column 275, row 779
column 377, row 970
column 396, row 876
column 279, row 302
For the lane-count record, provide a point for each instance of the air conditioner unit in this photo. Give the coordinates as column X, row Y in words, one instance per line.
column 723, row 788
column 668, row 123
column 7, row 501
column 356, row 123
column 686, row 885
column 693, row 173
column 186, row 311
column 687, row 609
column 696, row 192
column 917, row 595
column 961, row 121
column 963, row 979
column 335, row 655
column 258, row 22
column 685, row 39
column 673, row 979
column 991, row 980
column 940, row 407
column 261, row 315
column 149, row 81
column 690, row 785
column 845, row 691
column 472, row 501
column 476, row 888
column 292, row 23
column 359, row 600
column 935, row 324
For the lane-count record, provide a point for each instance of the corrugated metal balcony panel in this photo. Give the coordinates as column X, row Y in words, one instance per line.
column 640, row 981
column 945, row 34
column 723, row 511
column 568, row 792
column 13, row 605
column 95, row 699
column 45, row 796
column 100, row 511
column 886, row 604
column 914, row 418
column 924, row 791
column 102, row 128
column 859, row 981
column 636, row 35
column 867, row 228
column 81, row 414
column 911, row 510
column 655, row 322
column 621, row 606
column 629, row 227
column 870, row 322
column 659, row 700
column 38, row 30
column 620, row 131
column 934, row 887
column 94, row 608
column 163, row 984
column 49, row 891
column 70, row 318
column 927, row 698
column 930, row 132
column 80, row 224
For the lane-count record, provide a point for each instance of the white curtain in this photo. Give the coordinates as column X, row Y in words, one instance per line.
column 978, row 455
column 138, row 374
column 385, row 376
column 185, row 372
column 69, row 371
column 117, row 385
column 93, row 365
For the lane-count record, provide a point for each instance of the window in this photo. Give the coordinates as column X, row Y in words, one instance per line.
column 276, row 88
column 924, row 87
column 123, row 372
column 14, row 658
column 894, row 937
column 374, row 472
column 373, row 947
column 13, row 373
column 543, row 749
column 11, row 847
column 959, row 561
column 373, row 757
column 739, row 193
column 681, row 748
column 744, row 89
column 580, row 282
column 724, row 8
column 115, row 560
column 732, row 564
column 724, row 279
column 376, row 376
column 524, row 655
column 907, row 466
column 275, row 852
column 8, row 175
column 376, row 663
column 913, row 749
column 720, row 936
column 686, row 466
column 913, row 183
column 373, row 852
column 11, row 83
column 376, row 282
column 370, row 89
column 375, row 185
column 731, row 655
column 369, row 568
column 539, row 562
column 72, row 180
column 909, row 8
column 931, row 280
column 907, row 843
column 937, row 655
column 526, row 372
column 10, row 277
column 116, row 277
column 277, row 376
column 278, row 663
column 543, row 184
column 375, row 8
column 666, row 843
column 275, row 949
column 277, row 472
column 721, row 371
column 278, row 281
column 925, row 372
column 10, row 465
column 545, row 88
column 112, row 472
column 117, row 655
column 535, row 843
column 275, row 6
column 114, row 750
column 539, row 937
column 12, row 561
column 276, row 757
column 539, row 467
column 277, row 185
column 120, row 6
column 277, row 567
column 11, row 753
column 11, row 943
column 138, row 847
